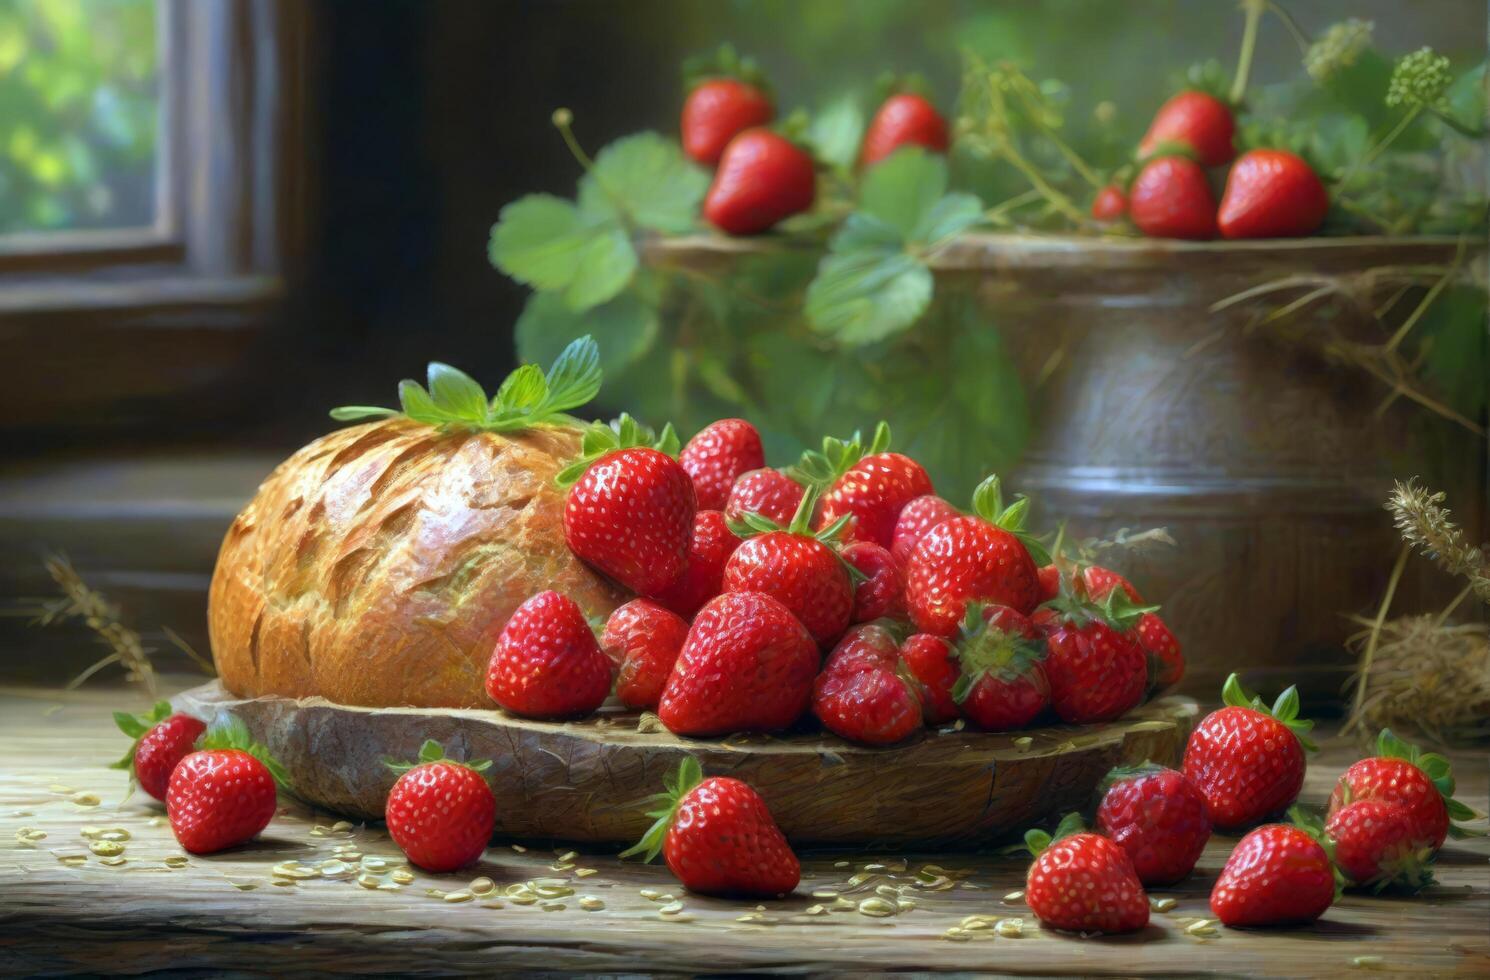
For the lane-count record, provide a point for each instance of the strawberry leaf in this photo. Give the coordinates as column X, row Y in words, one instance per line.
column 647, row 179
column 836, row 130
column 864, row 296
column 625, row 327
column 137, row 727
column 550, row 244
column 455, row 393
column 1285, row 709
column 230, row 732
column 432, row 751
column 677, row 785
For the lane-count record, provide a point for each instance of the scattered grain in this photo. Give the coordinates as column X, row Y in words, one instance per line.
column 176, row 861
column 85, row 799
column 671, row 908
column 590, row 903
column 1013, row 897
column 482, row 886
column 585, row 872
column 824, row 893
column 816, row 910
column 876, row 907
column 402, row 877
column 458, row 896
column 1163, row 904
column 1010, row 928
column 106, row 848
column 113, row 861
column 1369, row 962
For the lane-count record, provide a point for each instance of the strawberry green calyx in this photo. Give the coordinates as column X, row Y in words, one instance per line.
column 136, row 727
column 724, row 62
column 983, row 649
column 822, row 469
column 528, row 398
column 1121, row 774
column 890, row 83
column 1439, row 772
column 1116, row 609
column 988, row 503
column 432, row 751
column 1036, row 841
column 1284, row 710
column 1310, row 823
column 623, row 432
column 677, row 786
column 231, row 733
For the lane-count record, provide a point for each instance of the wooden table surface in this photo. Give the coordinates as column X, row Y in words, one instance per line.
column 65, row 907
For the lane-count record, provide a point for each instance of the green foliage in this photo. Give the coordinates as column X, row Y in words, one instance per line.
column 432, row 751
column 79, row 110
column 528, row 397
column 623, row 432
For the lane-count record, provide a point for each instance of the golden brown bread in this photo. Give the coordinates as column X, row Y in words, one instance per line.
column 377, row 565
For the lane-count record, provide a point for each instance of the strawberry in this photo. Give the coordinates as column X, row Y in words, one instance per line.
column 862, row 693
column 905, row 119
column 763, row 177
column 1050, row 582
column 873, row 489
column 1422, row 783
column 441, row 812
column 547, row 663
column 1096, row 668
column 1158, row 816
column 718, row 837
column 1248, row 760
column 629, row 512
column 984, row 557
column 716, row 111
column 916, row 518
column 717, row 456
column 932, row 662
column 643, row 639
column 1377, row 845
column 747, row 665
column 1083, row 882
column 1272, row 194
column 796, row 567
column 161, row 739
column 769, row 493
column 881, row 590
column 703, row 577
column 1166, row 661
column 1198, row 123
column 1170, row 198
column 1277, row 875
column 223, row 794
column 1110, row 204
column 1002, row 685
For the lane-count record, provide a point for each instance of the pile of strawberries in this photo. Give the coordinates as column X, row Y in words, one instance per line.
column 842, row 587
column 1269, row 193
column 1244, row 765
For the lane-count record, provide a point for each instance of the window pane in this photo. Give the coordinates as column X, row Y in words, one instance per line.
column 79, row 111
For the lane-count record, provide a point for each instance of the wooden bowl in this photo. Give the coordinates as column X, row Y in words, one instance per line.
column 583, row 781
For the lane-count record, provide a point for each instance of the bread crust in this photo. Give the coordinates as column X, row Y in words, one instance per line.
column 377, row 565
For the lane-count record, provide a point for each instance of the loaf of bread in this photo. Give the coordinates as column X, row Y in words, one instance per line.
column 377, row 565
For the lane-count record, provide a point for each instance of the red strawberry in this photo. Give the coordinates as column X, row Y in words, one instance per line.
column 1002, row 685
column 769, row 493
column 1277, row 875
column 872, row 490
column 547, row 663
column 903, row 120
column 799, row 569
column 1110, row 204
column 441, row 812
column 643, row 639
column 630, row 514
column 862, row 694
column 976, row 558
column 703, row 577
column 719, row 838
column 1422, row 783
column 1083, row 882
column 881, row 592
column 762, row 178
column 1272, row 194
column 161, row 740
column 747, row 665
column 1377, row 844
column 1050, row 582
column 1157, row 816
column 1170, row 198
column 224, row 794
column 1200, row 122
column 1166, row 661
column 717, row 456
column 932, row 661
column 1246, row 759
column 916, row 518
column 1096, row 668
column 716, row 111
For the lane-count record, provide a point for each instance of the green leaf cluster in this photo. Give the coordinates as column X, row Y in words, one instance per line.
column 624, row 432
column 676, row 786
column 875, row 280
column 1285, row 709
column 527, row 398
column 432, row 751
column 584, row 251
column 1438, row 769
column 230, row 732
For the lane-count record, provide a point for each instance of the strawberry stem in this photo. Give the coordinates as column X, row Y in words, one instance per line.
column 1254, row 10
column 563, row 120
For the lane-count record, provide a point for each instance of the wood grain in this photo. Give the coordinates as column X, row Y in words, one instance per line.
column 581, row 780
column 143, row 916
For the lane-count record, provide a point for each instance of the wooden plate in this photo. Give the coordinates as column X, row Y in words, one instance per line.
column 582, row 781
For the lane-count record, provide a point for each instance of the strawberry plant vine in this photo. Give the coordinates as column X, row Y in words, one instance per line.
column 837, row 314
